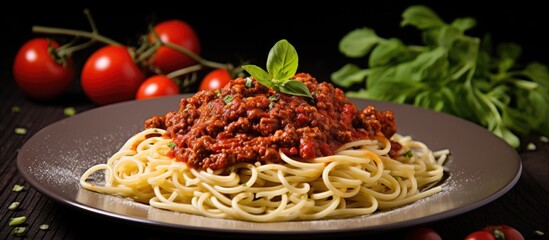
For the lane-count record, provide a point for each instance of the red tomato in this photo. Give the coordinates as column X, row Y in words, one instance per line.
column 215, row 79
column 480, row 235
column 157, row 86
column 37, row 72
column 110, row 75
column 177, row 32
column 509, row 232
column 423, row 233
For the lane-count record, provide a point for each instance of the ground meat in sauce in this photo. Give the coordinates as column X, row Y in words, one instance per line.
column 240, row 123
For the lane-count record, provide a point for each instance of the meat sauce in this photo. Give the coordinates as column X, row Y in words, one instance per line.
column 248, row 122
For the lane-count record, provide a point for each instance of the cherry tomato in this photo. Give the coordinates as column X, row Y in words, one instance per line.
column 509, row 232
column 177, row 32
column 480, row 235
column 215, row 79
column 37, row 72
column 157, row 86
column 110, row 75
column 423, row 233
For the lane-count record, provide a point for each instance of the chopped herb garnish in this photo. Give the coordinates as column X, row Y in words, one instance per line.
column 282, row 64
column 44, row 227
column 185, row 110
column 69, row 111
column 13, row 205
column 248, row 82
column 171, row 145
column 244, row 185
column 15, row 109
column 17, row 188
column 273, row 99
column 156, row 130
column 228, row 98
column 18, row 231
column 20, row 131
column 231, row 169
column 17, row 221
column 217, row 92
column 408, row 154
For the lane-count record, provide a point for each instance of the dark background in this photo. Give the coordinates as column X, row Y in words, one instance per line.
column 238, row 31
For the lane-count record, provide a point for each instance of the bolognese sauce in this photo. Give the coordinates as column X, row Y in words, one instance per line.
column 248, row 122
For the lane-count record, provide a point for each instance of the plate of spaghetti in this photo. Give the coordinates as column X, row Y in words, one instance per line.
column 246, row 158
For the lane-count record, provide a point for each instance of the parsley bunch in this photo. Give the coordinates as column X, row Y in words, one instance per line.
column 451, row 72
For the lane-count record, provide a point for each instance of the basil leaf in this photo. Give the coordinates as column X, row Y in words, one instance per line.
column 508, row 136
column 539, row 112
column 538, row 73
column 359, row 42
column 295, row 87
column 509, row 50
column 421, row 17
column 386, row 52
column 282, row 61
column 430, row 65
column 259, row 74
column 349, row 75
column 464, row 24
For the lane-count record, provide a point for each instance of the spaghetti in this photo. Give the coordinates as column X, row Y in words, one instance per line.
column 360, row 178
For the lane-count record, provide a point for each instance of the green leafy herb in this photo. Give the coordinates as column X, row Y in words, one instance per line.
column 248, row 83
column 273, row 99
column 17, row 221
column 15, row 109
column 171, row 145
column 227, row 99
column 450, row 72
column 69, row 111
column 18, row 231
column 282, row 65
column 17, row 188
column 20, row 131
column 44, row 227
column 217, row 92
column 408, row 154
column 14, row 205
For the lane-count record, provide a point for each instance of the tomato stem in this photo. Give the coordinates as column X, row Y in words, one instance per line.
column 146, row 53
column 93, row 35
column 196, row 57
column 69, row 50
column 72, row 32
column 184, row 71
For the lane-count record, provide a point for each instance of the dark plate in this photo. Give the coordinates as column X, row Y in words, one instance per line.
column 481, row 168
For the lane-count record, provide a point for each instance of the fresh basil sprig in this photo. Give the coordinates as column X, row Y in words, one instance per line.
column 450, row 72
column 281, row 67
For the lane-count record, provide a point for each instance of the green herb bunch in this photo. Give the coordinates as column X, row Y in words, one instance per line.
column 452, row 72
